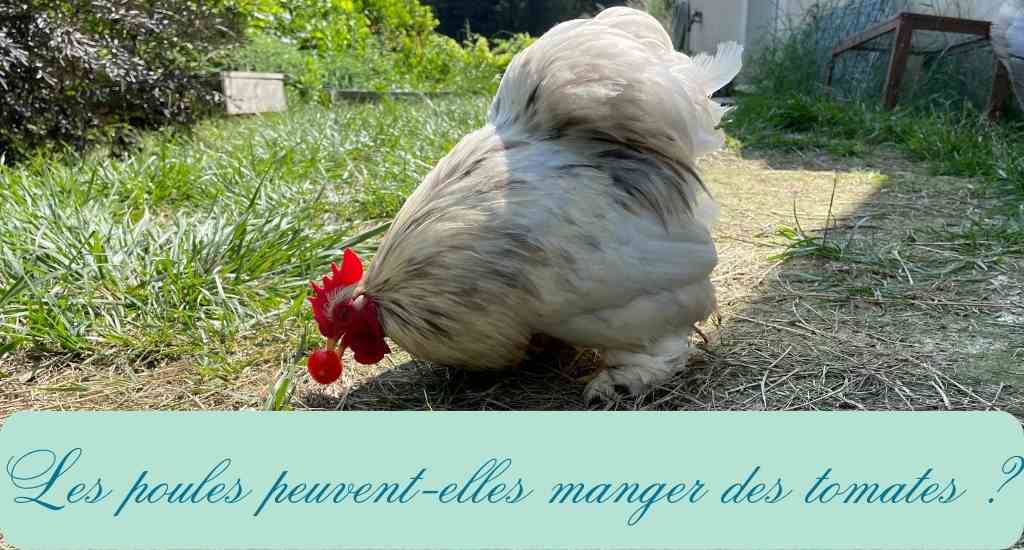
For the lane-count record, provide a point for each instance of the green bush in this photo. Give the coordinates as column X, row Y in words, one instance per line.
column 370, row 44
column 72, row 71
column 326, row 25
column 504, row 17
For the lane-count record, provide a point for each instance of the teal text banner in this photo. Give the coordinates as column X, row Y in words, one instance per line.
column 512, row 480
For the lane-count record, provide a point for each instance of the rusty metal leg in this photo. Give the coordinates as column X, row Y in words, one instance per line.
column 828, row 76
column 897, row 63
column 1000, row 90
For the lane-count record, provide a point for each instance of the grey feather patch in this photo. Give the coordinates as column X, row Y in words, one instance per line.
column 591, row 242
column 651, row 181
column 531, row 99
column 567, row 257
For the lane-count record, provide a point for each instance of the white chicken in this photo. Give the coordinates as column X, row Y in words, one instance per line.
column 1008, row 43
column 575, row 213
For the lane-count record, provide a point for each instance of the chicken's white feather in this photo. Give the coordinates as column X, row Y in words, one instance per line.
column 1008, row 42
column 721, row 68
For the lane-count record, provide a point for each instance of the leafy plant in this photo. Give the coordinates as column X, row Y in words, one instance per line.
column 341, row 24
column 74, row 71
column 802, row 244
column 461, row 18
column 370, row 44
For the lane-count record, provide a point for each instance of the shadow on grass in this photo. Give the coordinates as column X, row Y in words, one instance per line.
column 541, row 383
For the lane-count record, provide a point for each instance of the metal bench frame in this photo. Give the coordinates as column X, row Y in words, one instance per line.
column 904, row 25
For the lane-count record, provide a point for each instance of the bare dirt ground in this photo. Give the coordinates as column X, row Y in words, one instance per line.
column 895, row 306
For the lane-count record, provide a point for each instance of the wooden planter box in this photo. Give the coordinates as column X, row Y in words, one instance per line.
column 250, row 93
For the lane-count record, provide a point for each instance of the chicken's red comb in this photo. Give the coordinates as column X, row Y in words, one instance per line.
column 350, row 272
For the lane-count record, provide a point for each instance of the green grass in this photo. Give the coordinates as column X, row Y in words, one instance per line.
column 952, row 143
column 957, row 143
column 196, row 242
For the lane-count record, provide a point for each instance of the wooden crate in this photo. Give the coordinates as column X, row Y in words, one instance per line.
column 250, row 93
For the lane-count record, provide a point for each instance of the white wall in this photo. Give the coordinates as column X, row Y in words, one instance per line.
column 723, row 20
column 968, row 9
column 762, row 21
column 984, row 10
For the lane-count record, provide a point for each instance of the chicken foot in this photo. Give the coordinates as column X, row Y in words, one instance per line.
column 634, row 372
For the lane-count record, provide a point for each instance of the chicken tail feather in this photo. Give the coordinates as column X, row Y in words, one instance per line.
column 721, row 68
column 617, row 78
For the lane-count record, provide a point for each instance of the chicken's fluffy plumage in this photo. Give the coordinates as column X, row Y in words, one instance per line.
column 1008, row 42
column 576, row 212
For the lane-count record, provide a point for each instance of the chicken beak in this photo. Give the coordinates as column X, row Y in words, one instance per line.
column 332, row 344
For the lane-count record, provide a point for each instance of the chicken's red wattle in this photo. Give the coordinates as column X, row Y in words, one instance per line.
column 364, row 336
column 325, row 366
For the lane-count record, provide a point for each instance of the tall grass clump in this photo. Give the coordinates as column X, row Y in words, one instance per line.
column 193, row 243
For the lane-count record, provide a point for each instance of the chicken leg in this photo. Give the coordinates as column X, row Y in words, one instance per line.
column 633, row 373
column 645, row 343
